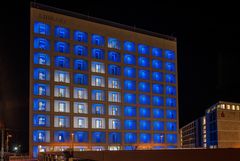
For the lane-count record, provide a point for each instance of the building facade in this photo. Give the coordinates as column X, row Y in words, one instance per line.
column 98, row 85
column 219, row 128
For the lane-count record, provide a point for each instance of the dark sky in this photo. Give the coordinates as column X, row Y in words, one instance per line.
column 208, row 50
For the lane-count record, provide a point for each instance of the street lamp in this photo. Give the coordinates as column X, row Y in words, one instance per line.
column 7, row 142
column 72, row 135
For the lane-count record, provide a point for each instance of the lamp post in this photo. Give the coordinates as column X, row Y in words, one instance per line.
column 2, row 147
column 7, row 146
column 72, row 135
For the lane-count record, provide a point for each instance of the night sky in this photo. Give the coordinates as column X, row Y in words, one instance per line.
column 208, row 51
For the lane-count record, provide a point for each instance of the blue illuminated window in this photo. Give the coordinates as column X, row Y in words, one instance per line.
column 170, row 78
column 170, row 66
column 171, row 138
column 145, row 125
column 171, row 114
column 41, row 120
column 158, row 125
column 144, row 112
column 129, row 46
column 81, row 64
column 129, row 85
column 158, row 138
column 98, row 54
column 81, row 79
column 157, row 101
column 40, row 136
column 130, row 111
column 80, row 36
column 129, row 59
column 61, row 136
column 98, row 81
column 143, row 49
column 114, row 137
column 41, row 89
column 130, row 138
column 81, row 136
column 114, row 96
column 62, row 32
column 144, row 74
column 158, row 113
column 41, row 58
column 114, row 83
column 130, row 147
column 143, row 62
column 114, row 110
column 144, row 86
column 98, row 109
column 157, row 76
column 171, row 90
column 171, row 126
column 130, row 124
column 41, row 74
column 130, row 72
column 114, row 43
column 80, row 50
column 97, row 40
column 145, row 138
column 41, row 105
column 41, row 28
column 157, row 64
column 98, row 95
column 61, row 91
column 157, row 52
column 157, row 88
column 144, row 99
column 62, row 61
column 61, row 47
column 114, row 69
column 169, row 54
column 114, row 56
column 98, row 137
column 130, row 98
column 41, row 43
column 171, row 102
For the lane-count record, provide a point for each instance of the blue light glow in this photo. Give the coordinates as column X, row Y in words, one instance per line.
column 169, row 54
column 158, row 138
column 98, row 54
column 158, row 125
column 41, row 74
column 170, row 78
column 130, row 138
column 114, row 56
column 41, row 28
column 81, row 136
column 144, row 86
column 81, row 79
column 98, row 109
column 40, row 136
column 130, row 72
column 169, row 66
column 62, row 32
column 171, row 90
column 114, row 137
column 114, row 43
column 143, row 62
column 144, row 99
column 61, row 136
column 41, row 104
column 41, row 89
column 144, row 74
column 158, row 113
column 144, row 112
column 130, row 124
column 114, row 69
column 157, row 64
column 80, row 50
column 129, row 85
column 157, row 52
column 41, row 120
column 98, row 137
column 81, row 64
column 171, row 114
column 62, row 61
column 62, row 47
column 129, row 46
column 41, row 58
column 157, row 101
column 143, row 49
column 171, row 138
column 80, row 36
column 157, row 89
column 130, row 111
column 97, row 40
column 157, row 76
column 171, row 102
column 145, row 138
column 145, row 125
column 129, row 59
column 41, row 43
column 171, row 126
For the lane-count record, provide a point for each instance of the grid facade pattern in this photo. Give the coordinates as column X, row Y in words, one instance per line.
column 93, row 91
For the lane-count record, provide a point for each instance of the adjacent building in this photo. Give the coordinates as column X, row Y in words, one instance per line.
column 98, row 85
column 219, row 128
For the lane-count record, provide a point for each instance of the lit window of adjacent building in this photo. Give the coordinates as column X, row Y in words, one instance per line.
column 62, row 32
column 80, row 93
column 41, row 58
column 61, row 121
column 98, row 123
column 61, row 106
column 98, row 109
column 97, row 40
column 80, row 64
column 80, row 107
column 61, row 91
column 114, row 69
column 129, row 59
column 80, row 50
column 80, row 36
column 158, row 138
column 228, row 107
column 158, row 125
column 114, row 56
column 143, row 49
column 98, row 95
column 114, row 43
column 41, row 28
column 171, row 114
column 81, row 79
column 114, row 137
column 157, row 52
column 98, row 67
column 130, row 72
column 98, row 54
column 61, row 76
column 129, row 46
column 80, row 122
column 170, row 78
column 171, row 138
column 145, row 138
column 114, row 96
column 62, row 61
column 171, row 126
column 114, row 110
column 114, row 83
column 41, row 43
column 98, row 81
column 171, row 102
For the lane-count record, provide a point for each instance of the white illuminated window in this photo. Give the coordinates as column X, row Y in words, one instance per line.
column 233, row 107
column 115, row 110
column 62, row 77
column 114, row 84
column 62, row 106
column 115, row 97
column 61, row 122
column 41, row 120
column 223, row 106
column 237, row 107
column 61, row 92
column 40, row 136
column 98, row 96
column 98, row 123
column 80, row 108
column 98, row 68
column 81, row 122
column 228, row 107
column 42, row 90
column 41, row 106
column 42, row 75
column 115, row 124
column 98, row 81
column 99, row 110
column 42, row 60
column 80, row 94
